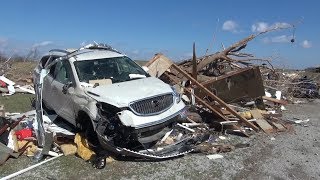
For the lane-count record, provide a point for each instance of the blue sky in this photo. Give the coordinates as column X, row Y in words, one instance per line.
column 142, row 28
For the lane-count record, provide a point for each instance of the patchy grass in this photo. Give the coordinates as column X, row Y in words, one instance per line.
column 17, row 102
column 19, row 72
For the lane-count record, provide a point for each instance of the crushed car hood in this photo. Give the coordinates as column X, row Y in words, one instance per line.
column 121, row 94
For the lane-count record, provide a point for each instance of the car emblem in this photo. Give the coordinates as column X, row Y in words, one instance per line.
column 155, row 103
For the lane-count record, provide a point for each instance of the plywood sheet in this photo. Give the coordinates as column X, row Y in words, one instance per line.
column 159, row 65
column 263, row 124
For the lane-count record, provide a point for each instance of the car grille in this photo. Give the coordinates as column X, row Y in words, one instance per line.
column 151, row 106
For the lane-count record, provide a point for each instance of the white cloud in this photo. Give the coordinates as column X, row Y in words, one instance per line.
column 306, row 44
column 43, row 43
column 263, row 26
column 259, row 27
column 230, row 26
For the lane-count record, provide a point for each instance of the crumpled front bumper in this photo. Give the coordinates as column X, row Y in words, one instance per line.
column 151, row 134
column 177, row 149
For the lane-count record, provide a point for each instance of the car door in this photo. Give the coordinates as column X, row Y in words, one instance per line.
column 47, row 89
column 62, row 102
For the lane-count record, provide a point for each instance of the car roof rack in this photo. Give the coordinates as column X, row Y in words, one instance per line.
column 91, row 46
column 100, row 46
column 59, row 50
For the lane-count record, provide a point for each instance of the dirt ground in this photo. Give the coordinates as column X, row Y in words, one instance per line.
column 289, row 155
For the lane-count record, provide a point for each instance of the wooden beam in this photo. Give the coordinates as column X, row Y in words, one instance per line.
column 194, row 63
column 153, row 59
column 264, row 125
column 214, row 79
column 275, row 100
column 214, row 97
column 208, row 106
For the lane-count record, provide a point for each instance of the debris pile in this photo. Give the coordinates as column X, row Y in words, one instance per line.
column 8, row 87
column 16, row 76
column 293, row 84
column 224, row 96
column 234, row 100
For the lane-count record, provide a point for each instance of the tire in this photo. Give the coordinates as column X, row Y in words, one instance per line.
column 91, row 134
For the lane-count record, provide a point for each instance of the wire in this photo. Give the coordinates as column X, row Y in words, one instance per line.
column 214, row 37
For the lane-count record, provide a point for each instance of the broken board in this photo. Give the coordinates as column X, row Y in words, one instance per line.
column 263, row 124
column 158, row 65
column 275, row 100
column 279, row 126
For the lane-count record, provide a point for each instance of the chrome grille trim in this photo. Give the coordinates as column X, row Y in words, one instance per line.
column 152, row 105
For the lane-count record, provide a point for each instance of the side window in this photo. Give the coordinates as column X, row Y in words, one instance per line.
column 52, row 69
column 44, row 61
column 63, row 72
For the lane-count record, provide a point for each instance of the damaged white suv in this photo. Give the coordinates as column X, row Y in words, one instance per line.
column 103, row 91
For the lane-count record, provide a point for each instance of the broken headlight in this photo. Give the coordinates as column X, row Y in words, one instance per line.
column 176, row 94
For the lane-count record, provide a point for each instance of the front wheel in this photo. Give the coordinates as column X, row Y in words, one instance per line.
column 91, row 135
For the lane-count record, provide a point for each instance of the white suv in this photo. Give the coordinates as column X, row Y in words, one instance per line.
column 102, row 91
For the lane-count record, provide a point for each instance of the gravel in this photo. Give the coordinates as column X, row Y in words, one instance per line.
column 294, row 154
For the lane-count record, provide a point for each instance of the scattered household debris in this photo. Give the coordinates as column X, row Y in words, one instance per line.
column 8, row 87
column 224, row 96
column 226, row 99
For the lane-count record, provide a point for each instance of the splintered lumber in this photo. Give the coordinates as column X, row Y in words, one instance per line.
column 224, row 54
column 275, row 100
column 263, row 124
column 279, row 126
column 158, row 65
column 211, row 108
column 214, row 97
column 194, row 63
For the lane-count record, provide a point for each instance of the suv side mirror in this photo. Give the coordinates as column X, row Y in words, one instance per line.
column 66, row 87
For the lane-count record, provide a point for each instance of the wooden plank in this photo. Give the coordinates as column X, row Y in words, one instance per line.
column 279, row 126
column 158, row 65
column 214, row 79
column 212, row 108
column 214, row 97
column 225, row 112
column 275, row 100
column 153, row 59
column 263, row 124
column 194, row 63
column 256, row 114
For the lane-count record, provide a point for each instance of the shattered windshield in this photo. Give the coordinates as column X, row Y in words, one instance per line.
column 118, row 69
